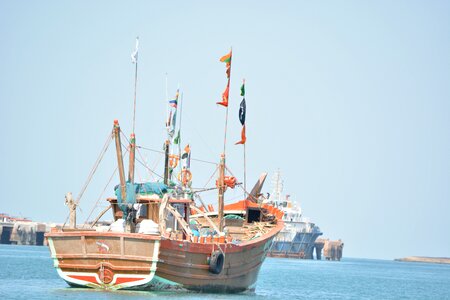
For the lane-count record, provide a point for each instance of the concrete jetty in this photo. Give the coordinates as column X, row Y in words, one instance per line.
column 19, row 231
column 29, row 233
column 332, row 250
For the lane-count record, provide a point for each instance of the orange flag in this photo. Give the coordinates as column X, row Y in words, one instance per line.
column 225, row 95
column 227, row 58
column 243, row 137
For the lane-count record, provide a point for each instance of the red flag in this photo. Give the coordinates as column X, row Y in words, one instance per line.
column 243, row 137
column 225, row 95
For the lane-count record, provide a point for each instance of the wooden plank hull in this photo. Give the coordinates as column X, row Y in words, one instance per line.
column 148, row 262
column 104, row 260
column 190, row 268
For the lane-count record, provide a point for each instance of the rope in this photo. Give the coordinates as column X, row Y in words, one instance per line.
column 194, row 159
column 143, row 164
column 101, row 196
column 91, row 174
column 97, row 162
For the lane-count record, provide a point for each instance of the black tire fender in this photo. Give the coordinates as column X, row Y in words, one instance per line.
column 216, row 262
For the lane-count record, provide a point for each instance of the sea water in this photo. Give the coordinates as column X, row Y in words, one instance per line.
column 26, row 272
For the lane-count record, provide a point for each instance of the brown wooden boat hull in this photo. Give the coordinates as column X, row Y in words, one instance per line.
column 190, row 267
column 104, row 260
column 149, row 262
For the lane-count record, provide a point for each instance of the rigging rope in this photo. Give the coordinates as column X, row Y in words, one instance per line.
column 91, row 174
column 143, row 164
column 101, row 195
column 193, row 159
column 240, row 185
column 97, row 162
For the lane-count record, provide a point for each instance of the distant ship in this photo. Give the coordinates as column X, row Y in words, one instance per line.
column 299, row 234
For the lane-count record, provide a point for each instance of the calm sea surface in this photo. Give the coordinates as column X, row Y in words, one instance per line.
column 26, row 272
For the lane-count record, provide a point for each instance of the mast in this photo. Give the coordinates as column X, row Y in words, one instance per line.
column 134, row 59
column 179, row 131
column 132, row 158
column 225, row 99
column 123, row 191
column 166, row 162
column 221, row 185
column 227, row 91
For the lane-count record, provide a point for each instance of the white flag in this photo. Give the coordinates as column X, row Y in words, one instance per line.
column 134, row 55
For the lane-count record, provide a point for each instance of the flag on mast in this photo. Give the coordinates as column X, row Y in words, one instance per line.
column 225, row 95
column 243, row 137
column 227, row 58
column 242, row 112
column 134, row 55
column 242, row 109
column 174, row 102
column 176, row 140
column 186, row 156
column 169, row 120
column 172, row 123
column 243, row 89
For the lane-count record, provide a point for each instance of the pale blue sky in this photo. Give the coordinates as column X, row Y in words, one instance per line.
column 350, row 99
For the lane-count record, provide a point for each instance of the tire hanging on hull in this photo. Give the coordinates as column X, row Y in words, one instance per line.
column 216, row 262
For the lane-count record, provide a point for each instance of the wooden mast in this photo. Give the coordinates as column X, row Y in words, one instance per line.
column 166, row 162
column 221, row 186
column 134, row 59
column 123, row 191
column 132, row 158
column 221, row 180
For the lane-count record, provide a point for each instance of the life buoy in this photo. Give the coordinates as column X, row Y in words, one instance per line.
column 216, row 262
column 173, row 160
column 185, row 176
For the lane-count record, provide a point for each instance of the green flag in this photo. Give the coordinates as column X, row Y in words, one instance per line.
column 243, row 88
column 176, row 141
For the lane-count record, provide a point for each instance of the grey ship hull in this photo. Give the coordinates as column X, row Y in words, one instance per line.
column 301, row 246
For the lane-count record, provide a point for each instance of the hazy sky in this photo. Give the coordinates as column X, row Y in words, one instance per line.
column 349, row 99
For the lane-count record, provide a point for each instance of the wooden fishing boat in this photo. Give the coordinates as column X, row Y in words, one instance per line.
column 162, row 239
column 112, row 260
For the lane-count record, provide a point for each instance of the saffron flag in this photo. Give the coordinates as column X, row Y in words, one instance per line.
column 243, row 137
column 227, row 58
column 242, row 109
column 225, row 96
column 174, row 102
column 134, row 55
